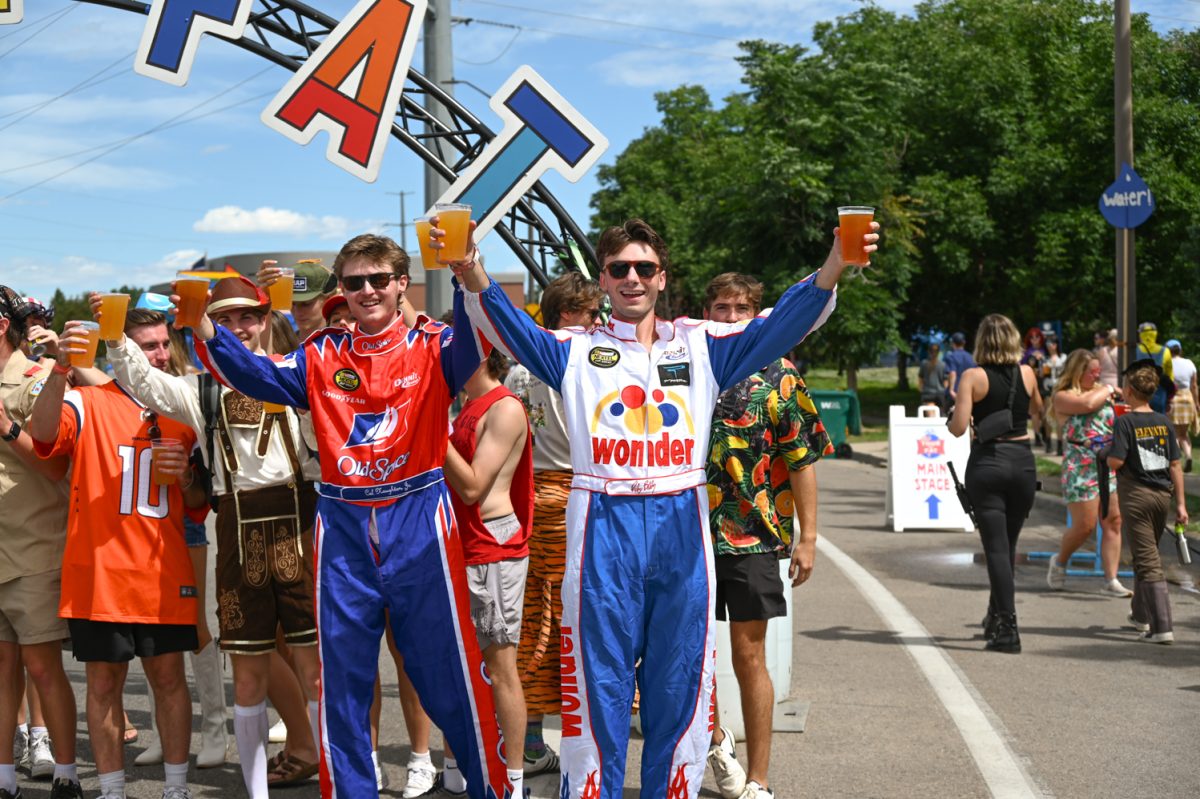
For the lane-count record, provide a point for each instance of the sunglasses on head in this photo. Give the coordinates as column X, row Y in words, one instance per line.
column 378, row 280
column 645, row 269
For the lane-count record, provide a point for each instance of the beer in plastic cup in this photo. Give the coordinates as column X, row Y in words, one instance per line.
column 158, row 447
column 455, row 219
column 855, row 222
column 273, row 407
column 112, row 315
column 87, row 359
column 193, row 297
column 428, row 254
column 1120, row 408
column 281, row 290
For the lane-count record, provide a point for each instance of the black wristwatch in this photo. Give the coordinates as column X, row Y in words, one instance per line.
column 12, row 433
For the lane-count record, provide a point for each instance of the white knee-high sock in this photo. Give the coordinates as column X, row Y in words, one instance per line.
column 250, row 728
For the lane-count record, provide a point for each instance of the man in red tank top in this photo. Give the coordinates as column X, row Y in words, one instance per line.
column 489, row 466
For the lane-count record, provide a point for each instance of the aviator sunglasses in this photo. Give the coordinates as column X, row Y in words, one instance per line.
column 378, row 280
column 645, row 269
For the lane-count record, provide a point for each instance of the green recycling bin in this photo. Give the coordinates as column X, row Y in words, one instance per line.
column 841, row 415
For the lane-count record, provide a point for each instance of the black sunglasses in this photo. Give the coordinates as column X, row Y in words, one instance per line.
column 378, row 280
column 593, row 313
column 154, row 431
column 645, row 269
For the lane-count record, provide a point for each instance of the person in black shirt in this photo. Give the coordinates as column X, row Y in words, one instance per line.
column 1145, row 456
column 1001, row 476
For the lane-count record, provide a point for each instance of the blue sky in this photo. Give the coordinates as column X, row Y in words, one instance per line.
column 199, row 173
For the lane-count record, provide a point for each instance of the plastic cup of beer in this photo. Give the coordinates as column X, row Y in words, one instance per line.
column 87, row 359
column 428, row 254
column 1120, row 408
column 157, row 448
column 193, row 298
column 281, row 290
column 855, row 222
column 455, row 219
column 112, row 315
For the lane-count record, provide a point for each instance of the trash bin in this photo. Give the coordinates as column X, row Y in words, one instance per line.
column 840, row 413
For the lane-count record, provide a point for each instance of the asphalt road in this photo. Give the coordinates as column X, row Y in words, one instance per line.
column 904, row 701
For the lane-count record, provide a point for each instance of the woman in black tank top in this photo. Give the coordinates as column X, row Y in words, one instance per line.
column 1001, row 476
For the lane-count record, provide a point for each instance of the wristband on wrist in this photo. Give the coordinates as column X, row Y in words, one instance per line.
column 14, row 431
column 60, row 369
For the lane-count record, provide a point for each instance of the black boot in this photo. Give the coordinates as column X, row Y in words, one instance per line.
column 1005, row 637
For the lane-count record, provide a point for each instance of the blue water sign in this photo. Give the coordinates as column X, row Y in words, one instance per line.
column 1128, row 202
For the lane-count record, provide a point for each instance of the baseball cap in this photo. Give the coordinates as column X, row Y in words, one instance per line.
column 331, row 305
column 237, row 292
column 312, row 279
column 1173, row 344
column 1142, row 362
column 958, row 338
column 13, row 307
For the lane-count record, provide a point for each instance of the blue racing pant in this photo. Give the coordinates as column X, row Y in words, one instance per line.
column 637, row 593
column 406, row 557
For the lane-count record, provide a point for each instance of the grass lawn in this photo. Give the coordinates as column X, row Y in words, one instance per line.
column 876, row 393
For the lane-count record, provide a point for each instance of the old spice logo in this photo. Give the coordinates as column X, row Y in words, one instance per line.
column 678, row 789
column 378, row 470
column 665, row 451
column 371, row 346
column 930, row 446
column 572, row 718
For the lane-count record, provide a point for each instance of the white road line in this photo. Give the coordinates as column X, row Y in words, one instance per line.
column 1001, row 769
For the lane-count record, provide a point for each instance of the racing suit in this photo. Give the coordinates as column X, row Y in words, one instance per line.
column 639, row 574
column 385, row 535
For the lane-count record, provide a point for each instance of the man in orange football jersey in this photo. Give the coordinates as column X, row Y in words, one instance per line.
column 128, row 588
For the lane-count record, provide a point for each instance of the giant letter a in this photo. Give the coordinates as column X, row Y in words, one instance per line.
column 350, row 86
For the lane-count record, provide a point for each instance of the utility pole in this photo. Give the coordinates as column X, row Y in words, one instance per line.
column 439, row 69
column 1123, row 139
column 403, row 219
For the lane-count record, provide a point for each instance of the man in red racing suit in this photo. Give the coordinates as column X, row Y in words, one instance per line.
column 385, row 535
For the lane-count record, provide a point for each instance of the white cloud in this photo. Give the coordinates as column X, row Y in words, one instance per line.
column 213, row 149
column 179, row 259
column 234, row 219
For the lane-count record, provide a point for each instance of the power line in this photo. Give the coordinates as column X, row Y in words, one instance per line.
column 620, row 23
column 86, row 83
column 15, row 31
column 161, row 126
column 49, row 23
column 637, row 45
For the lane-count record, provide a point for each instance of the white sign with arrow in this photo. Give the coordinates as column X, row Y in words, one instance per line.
column 920, row 490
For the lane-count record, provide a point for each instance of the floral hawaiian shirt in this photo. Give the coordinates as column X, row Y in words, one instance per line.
column 763, row 428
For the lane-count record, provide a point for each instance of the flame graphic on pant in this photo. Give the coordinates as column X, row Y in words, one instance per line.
column 679, row 786
column 592, row 789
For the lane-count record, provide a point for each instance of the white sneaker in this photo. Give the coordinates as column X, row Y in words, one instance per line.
column 41, row 762
column 729, row 774
column 1114, row 588
column 1156, row 638
column 381, row 777
column 1140, row 626
column 1056, row 576
column 21, row 748
column 422, row 777
column 176, row 792
column 278, row 733
column 755, row 791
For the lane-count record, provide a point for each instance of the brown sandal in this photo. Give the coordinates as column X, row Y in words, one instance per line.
column 276, row 761
column 290, row 771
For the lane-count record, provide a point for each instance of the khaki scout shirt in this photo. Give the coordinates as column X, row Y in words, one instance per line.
column 33, row 522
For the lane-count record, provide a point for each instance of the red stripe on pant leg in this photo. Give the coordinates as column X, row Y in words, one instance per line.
column 485, row 708
column 325, row 778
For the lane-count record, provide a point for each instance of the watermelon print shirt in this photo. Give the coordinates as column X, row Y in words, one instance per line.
column 763, row 428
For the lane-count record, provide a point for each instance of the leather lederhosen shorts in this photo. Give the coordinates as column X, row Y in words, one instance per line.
column 265, row 568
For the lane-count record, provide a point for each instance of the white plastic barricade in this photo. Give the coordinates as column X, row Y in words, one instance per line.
column 779, row 662
column 920, row 489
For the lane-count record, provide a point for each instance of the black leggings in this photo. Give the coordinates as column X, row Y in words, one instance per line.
column 1001, row 481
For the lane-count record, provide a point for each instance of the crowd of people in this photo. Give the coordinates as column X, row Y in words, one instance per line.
column 1116, row 441
column 562, row 545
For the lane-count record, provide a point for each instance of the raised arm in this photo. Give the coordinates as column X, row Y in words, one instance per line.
column 162, row 393
column 738, row 351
